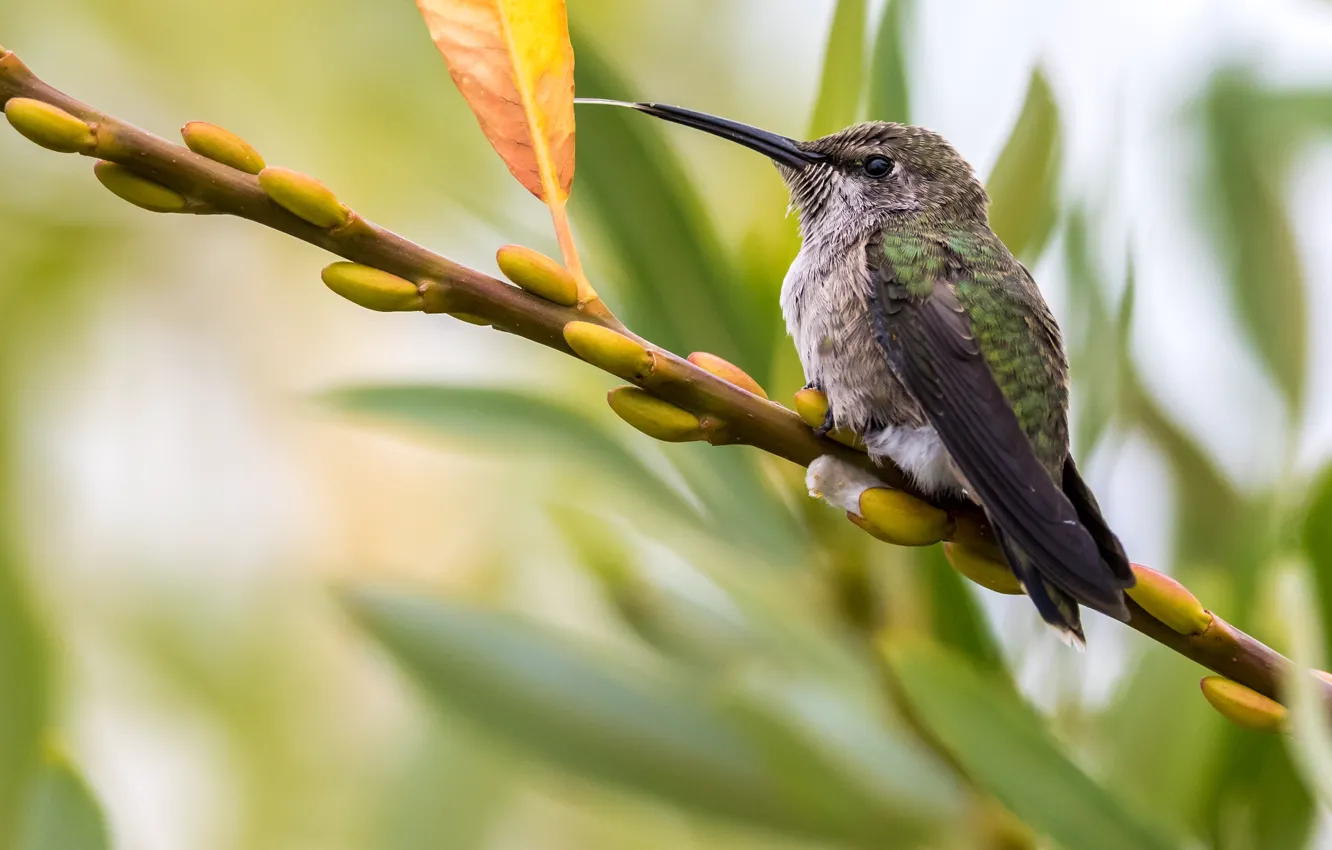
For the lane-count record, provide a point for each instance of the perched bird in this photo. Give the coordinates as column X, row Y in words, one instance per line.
column 933, row 343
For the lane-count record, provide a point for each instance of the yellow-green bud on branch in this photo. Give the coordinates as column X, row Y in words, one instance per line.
column 372, row 288
column 609, row 350
column 1169, row 601
column 538, row 274
column 986, row 571
column 658, row 419
column 471, row 319
column 890, row 515
column 727, row 371
column 222, row 146
column 1244, row 706
column 303, row 196
column 50, row 126
column 812, row 407
column 137, row 190
column 900, row 518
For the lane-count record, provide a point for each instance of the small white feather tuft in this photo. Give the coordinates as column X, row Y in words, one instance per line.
column 839, row 483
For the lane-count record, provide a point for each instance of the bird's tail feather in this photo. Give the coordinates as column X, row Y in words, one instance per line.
column 1056, row 607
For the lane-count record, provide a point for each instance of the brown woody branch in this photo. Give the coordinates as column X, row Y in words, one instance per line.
column 447, row 287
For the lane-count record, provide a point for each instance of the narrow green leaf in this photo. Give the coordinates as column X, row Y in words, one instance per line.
column 511, row 421
column 61, row 813
column 1094, row 340
column 24, row 683
column 1157, row 733
column 1006, row 749
column 889, row 84
column 1317, row 539
column 1310, row 744
column 1248, row 162
column 651, row 734
column 830, row 745
column 957, row 619
column 1256, row 797
column 1024, row 183
column 451, row 795
column 838, row 102
column 705, row 630
column 675, row 285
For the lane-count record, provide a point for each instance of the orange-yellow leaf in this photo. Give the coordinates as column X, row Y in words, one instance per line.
column 512, row 61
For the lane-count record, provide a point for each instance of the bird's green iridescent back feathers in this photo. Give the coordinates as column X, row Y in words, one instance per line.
column 1017, row 334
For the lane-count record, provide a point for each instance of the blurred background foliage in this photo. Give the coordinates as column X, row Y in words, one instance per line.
column 607, row 642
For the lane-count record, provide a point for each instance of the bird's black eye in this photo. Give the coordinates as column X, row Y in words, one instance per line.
column 878, row 166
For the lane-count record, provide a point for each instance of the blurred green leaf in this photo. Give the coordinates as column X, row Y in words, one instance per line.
column 603, row 721
column 741, row 507
column 1095, row 337
column 1006, row 749
column 25, row 685
column 450, row 796
column 1310, row 742
column 1255, row 795
column 1158, row 738
column 707, row 632
column 830, row 745
column 1215, row 524
column 1317, row 539
column 1248, row 160
column 61, row 813
column 889, row 84
column 838, row 102
column 956, row 617
column 1024, row 182
column 677, row 287
column 511, row 421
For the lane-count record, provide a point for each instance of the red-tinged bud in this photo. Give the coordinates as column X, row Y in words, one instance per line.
column 727, row 371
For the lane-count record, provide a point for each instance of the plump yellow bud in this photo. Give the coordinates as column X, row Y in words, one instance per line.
column 812, row 407
column 1244, row 706
column 140, row 191
column 222, row 146
column 538, row 274
column 658, row 419
column 471, row 319
column 303, row 196
column 727, row 371
column 50, row 126
column 1169, row 601
column 608, row 349
column 900, row 518
column 372, row 288
column 979, row 567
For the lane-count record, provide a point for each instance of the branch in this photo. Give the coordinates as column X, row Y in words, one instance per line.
column 163, row 176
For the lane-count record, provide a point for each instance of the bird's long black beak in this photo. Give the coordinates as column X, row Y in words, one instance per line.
column 777, row 148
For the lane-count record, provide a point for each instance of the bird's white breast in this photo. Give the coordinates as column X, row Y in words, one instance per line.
column 826, row 304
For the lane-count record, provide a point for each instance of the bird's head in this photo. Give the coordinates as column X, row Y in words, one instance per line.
column 857, row 177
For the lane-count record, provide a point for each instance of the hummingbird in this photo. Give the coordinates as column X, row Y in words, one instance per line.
column 934, row 345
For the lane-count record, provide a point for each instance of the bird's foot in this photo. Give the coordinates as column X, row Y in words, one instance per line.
column 828, row 423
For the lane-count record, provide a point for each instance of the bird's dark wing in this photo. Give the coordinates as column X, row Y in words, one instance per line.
column 1089, row 512
column 928, row 338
